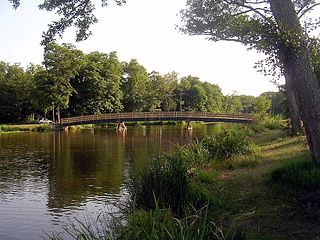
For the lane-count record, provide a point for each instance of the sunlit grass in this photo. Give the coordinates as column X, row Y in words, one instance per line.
column 14, row 128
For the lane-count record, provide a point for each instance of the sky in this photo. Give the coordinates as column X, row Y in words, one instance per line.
column 144, row 30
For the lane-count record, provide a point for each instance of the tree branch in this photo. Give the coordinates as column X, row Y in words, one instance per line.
column 302, row 11
column 252, row 9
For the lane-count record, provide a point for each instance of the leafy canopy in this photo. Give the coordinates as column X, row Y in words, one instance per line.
column 77, row 13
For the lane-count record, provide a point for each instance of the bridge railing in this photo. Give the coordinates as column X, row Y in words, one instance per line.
column 153, row 116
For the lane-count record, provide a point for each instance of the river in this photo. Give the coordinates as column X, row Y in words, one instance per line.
column 49, row 179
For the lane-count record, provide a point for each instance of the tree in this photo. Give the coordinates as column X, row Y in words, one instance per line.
column 247, row 103
column 163, row 88
column 278, row 102
column 16, row 93
column 295, row 57
column 262, row 106
column 61, row 64
column 194, row 96
column 214, row 97
column 272, row 27
column 232, row 103
column 77, row 13
column 135, row 81
column 97, row 85
column 250, row 23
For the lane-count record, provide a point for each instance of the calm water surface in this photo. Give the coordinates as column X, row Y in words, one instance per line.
column 49, row 179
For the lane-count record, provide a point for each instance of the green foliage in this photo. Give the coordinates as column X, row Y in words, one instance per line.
column 62, row 63
column 8, row 128
column 134, row 86
column 278, row 102
column 161, row 224
column 276, row 122
column 154, row 224
column 142, row 224
column 262, row 106
column 193, row 154
column 214, row 97
column 42, row 128
column 207, row 176
column 161, row 91
column 16, row 96
column 247, row 103
column 232, row 104
column 257, row 128
column 94, row 83
column 301, row 175
column 165, row 184
column 227, row 144
column 194, row 95
column 97, row 85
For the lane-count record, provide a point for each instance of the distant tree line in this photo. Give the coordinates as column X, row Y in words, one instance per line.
column 80, row 84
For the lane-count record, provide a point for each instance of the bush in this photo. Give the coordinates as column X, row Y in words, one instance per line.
column 42, row 128
column 8, row 128
column 273, row 123
column 257, row 128
column 302, row 175
column 165, row 184
column 193, row 154
column 227, row 144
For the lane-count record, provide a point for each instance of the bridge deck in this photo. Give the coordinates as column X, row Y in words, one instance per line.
column 157, row 116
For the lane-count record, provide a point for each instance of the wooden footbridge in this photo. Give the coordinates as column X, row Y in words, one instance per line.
column 157, row 116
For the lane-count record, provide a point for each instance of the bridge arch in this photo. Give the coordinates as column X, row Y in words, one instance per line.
column 157, row 116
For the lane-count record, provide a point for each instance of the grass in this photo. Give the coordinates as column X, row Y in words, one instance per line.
column 164, row 184
column 257, row 208
column 301, row 174
column 161, row 224
column 8, row 128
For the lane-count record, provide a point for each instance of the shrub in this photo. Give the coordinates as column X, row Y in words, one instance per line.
column 257, row 128
column 42, row 128
column 193, row 154
column 8, row 128
column 165, row 184
column 227, row 144
column 274, row 123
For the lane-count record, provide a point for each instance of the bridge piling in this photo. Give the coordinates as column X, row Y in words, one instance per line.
column 188, row 126
column 121, row 127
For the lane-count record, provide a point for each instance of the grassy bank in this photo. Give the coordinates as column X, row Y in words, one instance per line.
column 260, row 185
column 15, row 128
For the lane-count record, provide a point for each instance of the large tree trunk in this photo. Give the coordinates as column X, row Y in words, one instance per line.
column 294, row 114
column 297, row 63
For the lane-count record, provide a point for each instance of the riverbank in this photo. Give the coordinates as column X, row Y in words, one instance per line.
column 16, row 128
column 245, row 200
column 267, row 194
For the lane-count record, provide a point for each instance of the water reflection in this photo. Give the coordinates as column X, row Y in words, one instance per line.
column 48, row 177
column 84, row 164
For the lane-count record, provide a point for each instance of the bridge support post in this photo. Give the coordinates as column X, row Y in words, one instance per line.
column 121, row 126
column 188, row 126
